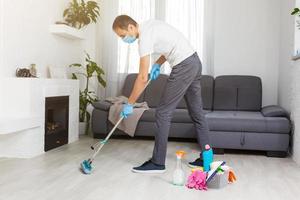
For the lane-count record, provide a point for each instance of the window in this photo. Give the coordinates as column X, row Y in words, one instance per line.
column 128, row 55
column 185, row 15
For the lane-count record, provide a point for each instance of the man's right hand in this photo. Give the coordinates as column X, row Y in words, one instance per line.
column 126, row 110
column 155, row 71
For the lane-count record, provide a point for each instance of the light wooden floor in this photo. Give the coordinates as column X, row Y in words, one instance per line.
column 55, row 175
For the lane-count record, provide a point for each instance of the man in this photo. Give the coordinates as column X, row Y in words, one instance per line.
column 184, row 82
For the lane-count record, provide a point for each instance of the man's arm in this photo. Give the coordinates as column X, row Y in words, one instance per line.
column 141, row 79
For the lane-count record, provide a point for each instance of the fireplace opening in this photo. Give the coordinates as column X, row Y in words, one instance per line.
column 56, row 122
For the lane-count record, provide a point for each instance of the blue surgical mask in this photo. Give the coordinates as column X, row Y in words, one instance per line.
column 129, row 39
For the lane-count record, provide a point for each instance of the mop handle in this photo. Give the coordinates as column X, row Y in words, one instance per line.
column 114, row 128
column 107, row 137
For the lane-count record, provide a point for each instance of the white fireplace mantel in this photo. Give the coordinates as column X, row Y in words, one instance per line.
column 22, row 113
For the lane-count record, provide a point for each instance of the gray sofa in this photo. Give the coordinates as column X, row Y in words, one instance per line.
column 233, row 110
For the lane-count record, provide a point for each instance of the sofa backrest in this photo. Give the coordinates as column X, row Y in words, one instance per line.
column 207, row 91
column 128, row 86
column 154, row 91
column 234, row 92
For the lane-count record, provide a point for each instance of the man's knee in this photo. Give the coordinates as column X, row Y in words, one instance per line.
column 163, row 114
column 198, row 117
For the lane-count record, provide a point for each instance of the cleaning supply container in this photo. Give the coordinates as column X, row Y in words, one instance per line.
column 220, row 180
column 178, row 174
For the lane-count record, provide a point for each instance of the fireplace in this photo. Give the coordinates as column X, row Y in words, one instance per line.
column 56, row 122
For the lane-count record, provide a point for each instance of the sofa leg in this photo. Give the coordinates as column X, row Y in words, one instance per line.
column 278, row 154
column 218, row 151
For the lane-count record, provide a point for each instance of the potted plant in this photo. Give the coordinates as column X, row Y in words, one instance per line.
column 87, row 97
column 296, row 11
column 80, row 13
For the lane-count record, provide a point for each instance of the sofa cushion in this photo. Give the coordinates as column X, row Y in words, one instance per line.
column 246, row 121
column 102, row 105
column 243, row 93
column 274, row 111
column 207, row 87
column 128, row 86
column 179, row 116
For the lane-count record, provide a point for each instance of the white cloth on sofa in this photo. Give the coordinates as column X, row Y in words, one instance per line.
column 129, row 124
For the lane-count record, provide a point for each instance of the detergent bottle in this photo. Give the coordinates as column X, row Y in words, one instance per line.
column 178, row 175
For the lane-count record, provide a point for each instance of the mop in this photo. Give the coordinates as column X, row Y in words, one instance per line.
column 86, row 165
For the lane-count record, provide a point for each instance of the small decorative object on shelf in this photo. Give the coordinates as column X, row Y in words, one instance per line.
column 33, row 70
column 25, row 72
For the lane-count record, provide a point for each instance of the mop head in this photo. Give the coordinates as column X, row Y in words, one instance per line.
column 86, row 167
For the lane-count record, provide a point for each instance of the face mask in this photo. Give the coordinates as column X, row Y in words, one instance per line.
column 129, row 39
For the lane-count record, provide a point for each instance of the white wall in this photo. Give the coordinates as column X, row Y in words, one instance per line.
column 289, row 73
column 295, row 111
column 286, row 52
column 247, row 41
column 26, row 39
column 1, row 39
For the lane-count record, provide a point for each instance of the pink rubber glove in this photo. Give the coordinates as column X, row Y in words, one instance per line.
column 197, row 180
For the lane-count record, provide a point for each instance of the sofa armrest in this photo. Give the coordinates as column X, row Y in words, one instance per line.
column 274, row 111
column 102, row 105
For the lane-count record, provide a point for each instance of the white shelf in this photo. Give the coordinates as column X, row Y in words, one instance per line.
column 67, row 32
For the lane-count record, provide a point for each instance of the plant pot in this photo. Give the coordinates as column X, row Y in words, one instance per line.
column 82, row 126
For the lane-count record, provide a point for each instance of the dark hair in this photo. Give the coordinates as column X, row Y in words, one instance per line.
column 122, row 22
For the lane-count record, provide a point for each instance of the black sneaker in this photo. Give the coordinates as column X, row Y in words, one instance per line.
column 149, row 168
column 197, row 163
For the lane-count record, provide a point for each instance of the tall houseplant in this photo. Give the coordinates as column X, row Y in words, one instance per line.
column 87, row 97
column 81, row 13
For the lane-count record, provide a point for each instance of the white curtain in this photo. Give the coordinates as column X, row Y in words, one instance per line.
column 139, row 10
column 120, row 59
column 187, row 17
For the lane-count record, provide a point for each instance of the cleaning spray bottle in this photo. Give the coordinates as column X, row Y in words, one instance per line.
column 178, row 175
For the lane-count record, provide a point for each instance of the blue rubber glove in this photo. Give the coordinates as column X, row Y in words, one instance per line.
column 155, row 71
column 208, row 157
column 127, row 110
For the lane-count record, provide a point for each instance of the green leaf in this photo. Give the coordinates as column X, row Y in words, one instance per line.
column 74, row 76
column 295, row 11
column 88, row 56
column 101, row 81
column 90, row 70
column 99, row 71
column 65, row 12
column 75, row 65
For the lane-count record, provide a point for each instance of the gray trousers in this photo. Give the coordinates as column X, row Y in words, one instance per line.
column 184, row 81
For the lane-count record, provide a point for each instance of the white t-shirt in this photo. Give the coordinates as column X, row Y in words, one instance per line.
column 161, row 38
